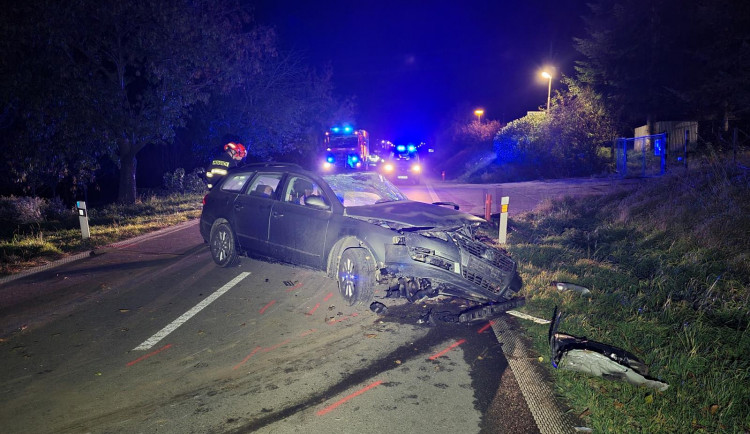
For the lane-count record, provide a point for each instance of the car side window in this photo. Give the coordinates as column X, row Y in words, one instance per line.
column 298, row 188
column 265, row 185
column 234, row 183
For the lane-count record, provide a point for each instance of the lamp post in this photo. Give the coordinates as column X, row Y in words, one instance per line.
column 479, row 113
column 548, row 76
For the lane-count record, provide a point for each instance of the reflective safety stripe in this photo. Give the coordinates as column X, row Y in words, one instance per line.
column 219, row 171
column 220, row 163
column 209, row 174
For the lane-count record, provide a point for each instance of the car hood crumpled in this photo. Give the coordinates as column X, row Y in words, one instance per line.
column 405, row 214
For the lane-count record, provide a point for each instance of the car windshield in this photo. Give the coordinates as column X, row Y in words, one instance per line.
column 363, row 188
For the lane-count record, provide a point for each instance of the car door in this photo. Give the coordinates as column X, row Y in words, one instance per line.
column 298, row 229
column 252, row 210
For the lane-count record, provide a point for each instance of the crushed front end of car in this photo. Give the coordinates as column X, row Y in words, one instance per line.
column 450, row 261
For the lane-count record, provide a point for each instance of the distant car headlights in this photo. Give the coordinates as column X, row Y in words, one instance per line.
column 416, row 168
column 388, row 167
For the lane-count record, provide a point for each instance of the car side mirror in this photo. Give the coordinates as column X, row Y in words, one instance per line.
column 317, row 202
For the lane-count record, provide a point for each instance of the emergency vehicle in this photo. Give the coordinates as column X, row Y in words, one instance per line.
column 345, row 149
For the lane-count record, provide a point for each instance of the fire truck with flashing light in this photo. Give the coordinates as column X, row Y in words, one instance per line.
column 346, row 149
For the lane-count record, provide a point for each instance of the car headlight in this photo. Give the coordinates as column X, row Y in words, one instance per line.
column 388, row 167
column 416, row 168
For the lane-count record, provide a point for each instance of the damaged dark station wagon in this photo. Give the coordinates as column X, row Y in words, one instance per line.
column 360, row 229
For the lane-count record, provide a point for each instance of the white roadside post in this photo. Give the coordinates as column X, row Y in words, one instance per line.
column 83, row 219
column 502, row 236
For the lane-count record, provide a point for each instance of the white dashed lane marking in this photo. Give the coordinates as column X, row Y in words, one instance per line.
column 161, row 334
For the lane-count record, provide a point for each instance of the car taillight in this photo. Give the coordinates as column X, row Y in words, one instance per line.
column 204, row 199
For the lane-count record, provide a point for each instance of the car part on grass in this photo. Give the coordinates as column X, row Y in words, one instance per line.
column 596, row 358
column 565, row 286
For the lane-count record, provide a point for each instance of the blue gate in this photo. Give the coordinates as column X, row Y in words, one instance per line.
column 641, row 156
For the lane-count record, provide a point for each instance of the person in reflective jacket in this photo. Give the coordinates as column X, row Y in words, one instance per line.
column 232, row 155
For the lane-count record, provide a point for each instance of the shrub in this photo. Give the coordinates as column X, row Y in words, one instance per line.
column 179, row 182
column 55, row 210
column 21, row 210
column 175, row 181
column 194, row 181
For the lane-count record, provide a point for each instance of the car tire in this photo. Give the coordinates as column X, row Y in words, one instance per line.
column 356, row 277
column 223, row 245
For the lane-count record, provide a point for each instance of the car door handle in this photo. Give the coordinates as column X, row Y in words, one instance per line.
column 237, row 206
column 278, row 214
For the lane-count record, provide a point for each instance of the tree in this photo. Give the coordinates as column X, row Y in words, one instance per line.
column 577, row 126
column 280, row 113
column 629, row 48
column 564, row 141
column 124, row 75
column 40, row 148
column 668, row 59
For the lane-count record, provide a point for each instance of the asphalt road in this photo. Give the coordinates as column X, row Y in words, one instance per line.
column 153, row 337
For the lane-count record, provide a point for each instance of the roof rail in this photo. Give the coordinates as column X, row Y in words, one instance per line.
column 273, row 164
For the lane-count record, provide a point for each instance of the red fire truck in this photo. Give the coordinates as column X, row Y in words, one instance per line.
column 345, row 149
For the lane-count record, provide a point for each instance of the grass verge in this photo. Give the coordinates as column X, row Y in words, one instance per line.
column 668, row 265
column 38, row 244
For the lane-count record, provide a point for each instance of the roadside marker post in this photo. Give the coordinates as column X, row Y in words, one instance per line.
column 503, row 234
column 487, row 206
column 83, row 219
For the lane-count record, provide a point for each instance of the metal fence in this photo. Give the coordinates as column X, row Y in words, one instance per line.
column 641, row 156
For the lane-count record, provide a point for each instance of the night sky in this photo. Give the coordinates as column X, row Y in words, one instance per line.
column 413, row 64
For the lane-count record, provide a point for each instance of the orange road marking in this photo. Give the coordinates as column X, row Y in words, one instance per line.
column 271, row 303
column 353, row 395
column 246, row 358
column 485, row 327
column 313, row 309
column 435, row 356
column 146, row 356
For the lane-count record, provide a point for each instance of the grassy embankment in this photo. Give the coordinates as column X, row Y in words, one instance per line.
column 669, row 269
column 27, row 245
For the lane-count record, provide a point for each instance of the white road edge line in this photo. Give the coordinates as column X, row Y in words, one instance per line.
column 161, row 334
column 433, row 195
column 522, row 315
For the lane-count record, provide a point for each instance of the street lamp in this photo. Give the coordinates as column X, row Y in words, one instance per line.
column 479, row 113
column 548, row 76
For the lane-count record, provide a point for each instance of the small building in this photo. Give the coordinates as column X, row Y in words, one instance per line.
column 675, row 134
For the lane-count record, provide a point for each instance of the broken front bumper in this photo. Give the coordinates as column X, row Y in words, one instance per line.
column 460, row 267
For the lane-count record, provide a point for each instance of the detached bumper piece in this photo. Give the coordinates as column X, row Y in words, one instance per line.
column 487, row 311
column 597, row 359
